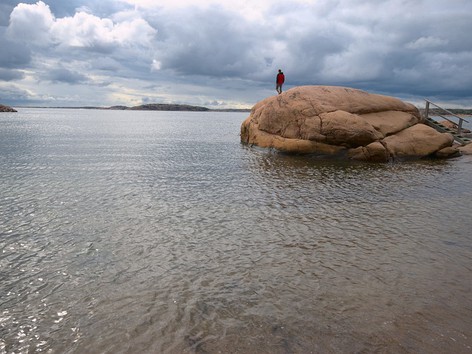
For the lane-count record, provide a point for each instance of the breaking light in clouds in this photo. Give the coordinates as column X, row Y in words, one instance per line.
column 226, row 53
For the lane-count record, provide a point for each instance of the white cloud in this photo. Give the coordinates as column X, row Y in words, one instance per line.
column 248, row 9
column 89, row 31
column 37, row 25
column 426, row 43
column 31, row 23
column 156, row 65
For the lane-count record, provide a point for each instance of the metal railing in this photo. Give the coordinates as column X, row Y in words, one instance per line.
column 449, row 113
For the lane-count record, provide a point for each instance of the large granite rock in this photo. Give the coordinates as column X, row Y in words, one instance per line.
column 6, row 109
column 339, row 120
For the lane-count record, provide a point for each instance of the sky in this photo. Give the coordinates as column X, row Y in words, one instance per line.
column 226, row 54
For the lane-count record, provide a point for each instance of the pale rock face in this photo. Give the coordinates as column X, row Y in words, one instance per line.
column 347, row 129
column 448, row 152
column 391, row 122
column 466, row 150
column 331, row 120
column 419, row 140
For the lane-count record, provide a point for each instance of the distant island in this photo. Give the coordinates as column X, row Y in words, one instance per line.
column 190, row 108
column 161, row 107
column 173, row 107
column 439, row 112
column 157, row 107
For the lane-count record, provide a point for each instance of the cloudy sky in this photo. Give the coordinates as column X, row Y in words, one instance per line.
column 224, row 54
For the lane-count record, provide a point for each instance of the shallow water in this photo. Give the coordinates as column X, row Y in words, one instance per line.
column 158, row 232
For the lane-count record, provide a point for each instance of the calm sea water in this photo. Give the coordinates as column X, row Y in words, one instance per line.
column 158, row 232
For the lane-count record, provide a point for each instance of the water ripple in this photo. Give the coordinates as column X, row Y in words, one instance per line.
column 144, row 232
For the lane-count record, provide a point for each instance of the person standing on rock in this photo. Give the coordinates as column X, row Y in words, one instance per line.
column 279, row 81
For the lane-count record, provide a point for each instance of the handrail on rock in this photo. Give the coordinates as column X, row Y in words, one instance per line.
column 461, row 120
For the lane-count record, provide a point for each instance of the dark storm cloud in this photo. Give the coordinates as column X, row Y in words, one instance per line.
column 406, row 48
column 209, row 42
column 13, row 55
column 15, row 96
column 335, row 43
column 66, row 76
column 10, row 75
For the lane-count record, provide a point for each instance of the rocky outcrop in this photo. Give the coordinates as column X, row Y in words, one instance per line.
column 342, row 121
column 6, row 109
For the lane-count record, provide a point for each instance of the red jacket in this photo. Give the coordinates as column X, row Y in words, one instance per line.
column 280, row 79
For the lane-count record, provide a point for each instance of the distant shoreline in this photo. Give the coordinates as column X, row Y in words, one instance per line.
column 190, row 108
column 153, row 107
column 439, row 112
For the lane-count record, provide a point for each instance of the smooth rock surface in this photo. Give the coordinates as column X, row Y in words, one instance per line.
column 333, row 120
